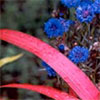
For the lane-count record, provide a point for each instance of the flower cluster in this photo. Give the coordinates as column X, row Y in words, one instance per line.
column 85, row 9
column 66, row 38
column 78, row 54
column 85, row 12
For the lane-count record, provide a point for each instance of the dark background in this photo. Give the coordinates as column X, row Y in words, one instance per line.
column 27, row 16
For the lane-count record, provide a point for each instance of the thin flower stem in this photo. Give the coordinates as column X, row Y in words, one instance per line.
column 89, row 31
column 84, row 37
column 87, row 34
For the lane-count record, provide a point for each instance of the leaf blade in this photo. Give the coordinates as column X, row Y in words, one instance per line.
column 10, row 59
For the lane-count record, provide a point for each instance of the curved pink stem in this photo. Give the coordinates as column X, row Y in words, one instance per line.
column 76, row 79
column 46, row 90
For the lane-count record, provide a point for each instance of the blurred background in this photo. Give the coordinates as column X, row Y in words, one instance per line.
column 27, row 16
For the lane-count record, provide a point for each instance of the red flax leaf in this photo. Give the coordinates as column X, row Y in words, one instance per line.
column 46, row 90
column 72, row 93
column 76, row 79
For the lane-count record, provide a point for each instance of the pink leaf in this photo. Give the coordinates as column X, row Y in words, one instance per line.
column 76, row 79
column 46, row 90
column 72, row 93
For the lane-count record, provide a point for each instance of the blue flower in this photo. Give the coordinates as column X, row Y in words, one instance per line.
column 96, row 6
column 50, row 71
column 70, row 22
column 61, row 47
column 85, row 12
column 61, row 14
column 66, row 23
column 53, row 28
column 87, row 1
column 71, row 3
column 78, row 54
